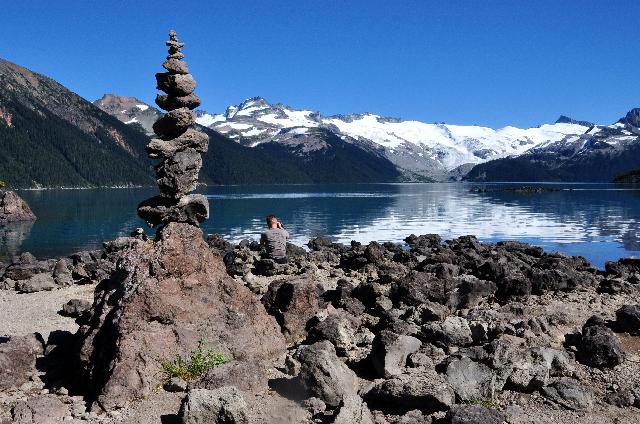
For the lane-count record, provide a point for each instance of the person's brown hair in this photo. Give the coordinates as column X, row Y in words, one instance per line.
column 271, row 218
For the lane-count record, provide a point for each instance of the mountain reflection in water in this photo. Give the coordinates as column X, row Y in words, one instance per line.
column 598, row 221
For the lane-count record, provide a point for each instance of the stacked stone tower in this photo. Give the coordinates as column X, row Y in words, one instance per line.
column 178, row 146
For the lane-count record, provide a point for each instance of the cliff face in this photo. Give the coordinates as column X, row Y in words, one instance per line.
column 13, row 208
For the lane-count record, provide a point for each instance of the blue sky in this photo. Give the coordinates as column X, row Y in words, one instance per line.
column 486, row 62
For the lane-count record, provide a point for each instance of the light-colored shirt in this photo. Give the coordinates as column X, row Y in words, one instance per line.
column 275, row 241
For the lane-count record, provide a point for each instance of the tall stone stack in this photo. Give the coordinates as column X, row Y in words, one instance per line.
column 178, row 146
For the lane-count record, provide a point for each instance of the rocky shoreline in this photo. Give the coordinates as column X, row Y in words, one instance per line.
column 441, row 331
column 183, row 329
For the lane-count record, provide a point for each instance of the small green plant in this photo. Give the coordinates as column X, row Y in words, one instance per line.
column 196, row 365
column 2, row 184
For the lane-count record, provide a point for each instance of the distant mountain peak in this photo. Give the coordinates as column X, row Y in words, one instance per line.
column 563, row 119
column 632, row 118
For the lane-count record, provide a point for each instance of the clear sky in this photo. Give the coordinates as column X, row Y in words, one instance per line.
column 484, row 62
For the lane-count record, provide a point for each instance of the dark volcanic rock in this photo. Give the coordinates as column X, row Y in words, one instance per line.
column 599, row 346
column 390, row 351
column 353, row 410
column 190, row 139
column 474, row 414
column 76, row 307
column 164, row 296
column 174, row 123
column 13, row 208
column 423, row 389
column 628, row 319
column 323, row 375
column 39, row 282
column 18, row 360
column 192, row 209
column 293, row 302
column 190, row 101
column 178, row 175
column 220, row 406
column 470, row 380
column 40, row 409
column 569, row 393
column 176, row 85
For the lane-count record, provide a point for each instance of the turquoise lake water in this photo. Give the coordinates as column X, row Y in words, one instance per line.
column 598, row 221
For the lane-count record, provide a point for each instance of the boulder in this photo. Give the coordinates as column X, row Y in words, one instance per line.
column 25, row 267
column 40, row 409
column 323, row 375
column 62, row 273
column 339, row 328
column 569, row 393
column 18, row 360
column 453, row 331
column 422, row 389
column 164, row 296
column 470, row 380
column 523, row 368
column 39, row 282
column 390, row 351
column 293, row 302
column 628, row 319
column 75, row 307
column 13, row 208
column 420, row 287
column 319, row 243
column 353, row 411
column 474, row 414
column 220, row 406
column 599, row 347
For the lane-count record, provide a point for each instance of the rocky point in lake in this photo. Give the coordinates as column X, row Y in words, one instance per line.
column 178, row 146
column 13, row 208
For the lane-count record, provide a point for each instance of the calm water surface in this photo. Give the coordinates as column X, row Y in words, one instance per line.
column 598, row 221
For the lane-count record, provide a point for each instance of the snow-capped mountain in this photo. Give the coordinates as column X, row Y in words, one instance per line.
column 129, row 110
column 567, row 150
column 416, row 148
column 599, row 155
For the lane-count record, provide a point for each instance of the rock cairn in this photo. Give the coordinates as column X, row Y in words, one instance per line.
column 178, row 145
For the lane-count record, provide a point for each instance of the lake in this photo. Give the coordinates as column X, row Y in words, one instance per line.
column 598, row 221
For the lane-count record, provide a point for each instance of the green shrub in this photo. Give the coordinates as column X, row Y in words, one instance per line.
column 2, row 184
column 196, row 365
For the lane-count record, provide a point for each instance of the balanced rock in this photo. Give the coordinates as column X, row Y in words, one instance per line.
column 164, row 296
column 191, row 209
column 191, row 139
column 13, row 208
column 179, row 147
column 178, row 175
column 174, row 123
column 176, row 66
column 176, row 84
column 191, row 101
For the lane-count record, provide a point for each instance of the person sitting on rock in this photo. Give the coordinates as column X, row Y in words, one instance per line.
column 274, row 240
